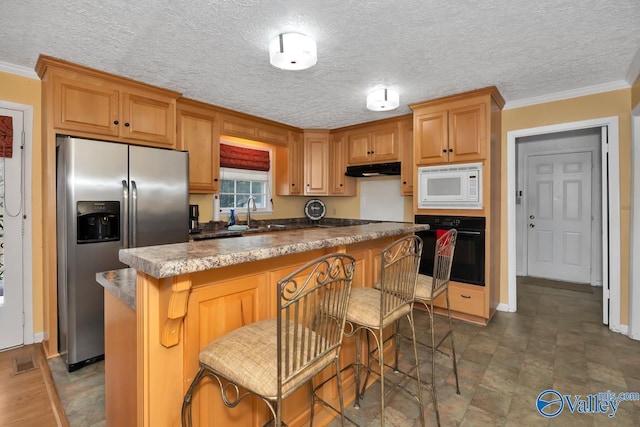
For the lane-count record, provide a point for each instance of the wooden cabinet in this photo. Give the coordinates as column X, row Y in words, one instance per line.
column 199, row 134
column 377, row 143
column 467, row 128
column 316, row 163
column 212, row 312
column 451, row 132
column 290, row 166
column 339, row 184
column 252, row 128
column 90, row 103
column 465, row 299
column 406, row 157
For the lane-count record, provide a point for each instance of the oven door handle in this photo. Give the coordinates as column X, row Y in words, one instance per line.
column 471, row 233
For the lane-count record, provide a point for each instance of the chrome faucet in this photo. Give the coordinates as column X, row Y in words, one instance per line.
column 249, row 200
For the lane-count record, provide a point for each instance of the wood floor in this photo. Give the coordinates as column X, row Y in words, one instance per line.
column 27, row 391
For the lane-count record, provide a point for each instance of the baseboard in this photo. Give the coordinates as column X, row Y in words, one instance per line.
column 504, row 307
column 624, row 329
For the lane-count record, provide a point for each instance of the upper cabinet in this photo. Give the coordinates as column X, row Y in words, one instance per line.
column 252, row 128
column 290, row 166
column 452, row 129
column 373, row 143
column 316, row 163
column 199, row 134
column 339, row 184
column 406, row 157
column 91, row 103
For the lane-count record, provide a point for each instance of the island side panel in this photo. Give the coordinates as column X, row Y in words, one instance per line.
column 120, row 362
column 159, row 369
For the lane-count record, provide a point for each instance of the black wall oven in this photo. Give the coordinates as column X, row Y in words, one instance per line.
column 468, row 258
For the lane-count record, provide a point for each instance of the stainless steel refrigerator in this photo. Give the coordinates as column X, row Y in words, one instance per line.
column 109, row 196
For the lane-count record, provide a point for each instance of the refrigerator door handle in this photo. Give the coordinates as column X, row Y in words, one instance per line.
column 134, row 214
column 125, row 220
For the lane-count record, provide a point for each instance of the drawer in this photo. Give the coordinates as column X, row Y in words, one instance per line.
column 464, row 299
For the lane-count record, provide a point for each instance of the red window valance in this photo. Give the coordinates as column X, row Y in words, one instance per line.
column 6, row 136
column 232, row 156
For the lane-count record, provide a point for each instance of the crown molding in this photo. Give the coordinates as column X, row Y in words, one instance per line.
column 18, row 70
column 567, row 94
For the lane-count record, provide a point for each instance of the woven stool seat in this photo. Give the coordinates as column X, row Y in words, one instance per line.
column 248, row 357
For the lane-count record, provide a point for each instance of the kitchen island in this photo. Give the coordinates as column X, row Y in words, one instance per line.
column 186, row 295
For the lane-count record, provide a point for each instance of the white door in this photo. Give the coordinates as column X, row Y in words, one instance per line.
column 559, row 216
column 11, row 262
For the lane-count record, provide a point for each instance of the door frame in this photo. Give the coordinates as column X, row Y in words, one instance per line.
column 634, row 274
column 27, row 244
column 610, row 192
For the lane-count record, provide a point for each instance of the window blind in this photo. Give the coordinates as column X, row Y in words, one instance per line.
column 235, row 157
column 6, row 136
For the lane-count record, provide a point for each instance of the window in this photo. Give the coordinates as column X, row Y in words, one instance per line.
column 238, row 185
column 245, row 172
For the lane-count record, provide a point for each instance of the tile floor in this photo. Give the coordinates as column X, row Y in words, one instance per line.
column 556, row 340
column 81, row 392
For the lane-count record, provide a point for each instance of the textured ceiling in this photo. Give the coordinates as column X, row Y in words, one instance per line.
column 216, row 51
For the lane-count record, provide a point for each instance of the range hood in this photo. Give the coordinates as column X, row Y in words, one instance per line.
column 374, row 169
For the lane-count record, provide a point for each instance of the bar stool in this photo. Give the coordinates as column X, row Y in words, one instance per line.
column 372, row 309
column 272, row 358
column 427, row 290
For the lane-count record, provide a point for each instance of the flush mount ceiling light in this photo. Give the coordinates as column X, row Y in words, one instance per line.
column 293, row 51
column 383, row 100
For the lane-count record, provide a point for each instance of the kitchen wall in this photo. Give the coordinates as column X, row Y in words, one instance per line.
column 293, row 206
column 24, row 90
column 613, row 103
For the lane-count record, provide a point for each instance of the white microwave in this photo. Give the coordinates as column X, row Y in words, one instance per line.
column 450, row 187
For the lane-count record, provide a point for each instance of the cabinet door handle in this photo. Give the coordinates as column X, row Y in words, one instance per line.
column 340, row 185
column 115, row 122
column 451, row 150
column 126, row 124
column 404, row 182
column 465, row 296
column 293, row 185
column 444, row 151
column 215, row 179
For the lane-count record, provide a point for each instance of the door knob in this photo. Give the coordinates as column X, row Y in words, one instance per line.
column 532, row 225
column 531, row 216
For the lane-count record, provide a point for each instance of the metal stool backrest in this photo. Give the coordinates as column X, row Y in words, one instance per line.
column 400, row 263
column 312, row 305
column 445, row 246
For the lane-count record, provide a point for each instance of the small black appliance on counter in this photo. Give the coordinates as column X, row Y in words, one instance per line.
column 194, row 214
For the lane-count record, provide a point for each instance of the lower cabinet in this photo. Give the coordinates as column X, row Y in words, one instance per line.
column 466, row 301
column 212, row 312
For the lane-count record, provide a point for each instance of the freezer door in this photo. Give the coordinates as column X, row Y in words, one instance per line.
column 87, row 171
column 159, row 196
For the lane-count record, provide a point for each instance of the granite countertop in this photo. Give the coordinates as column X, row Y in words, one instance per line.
column 182, row 258
column 121, row 283
column 217, row 230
